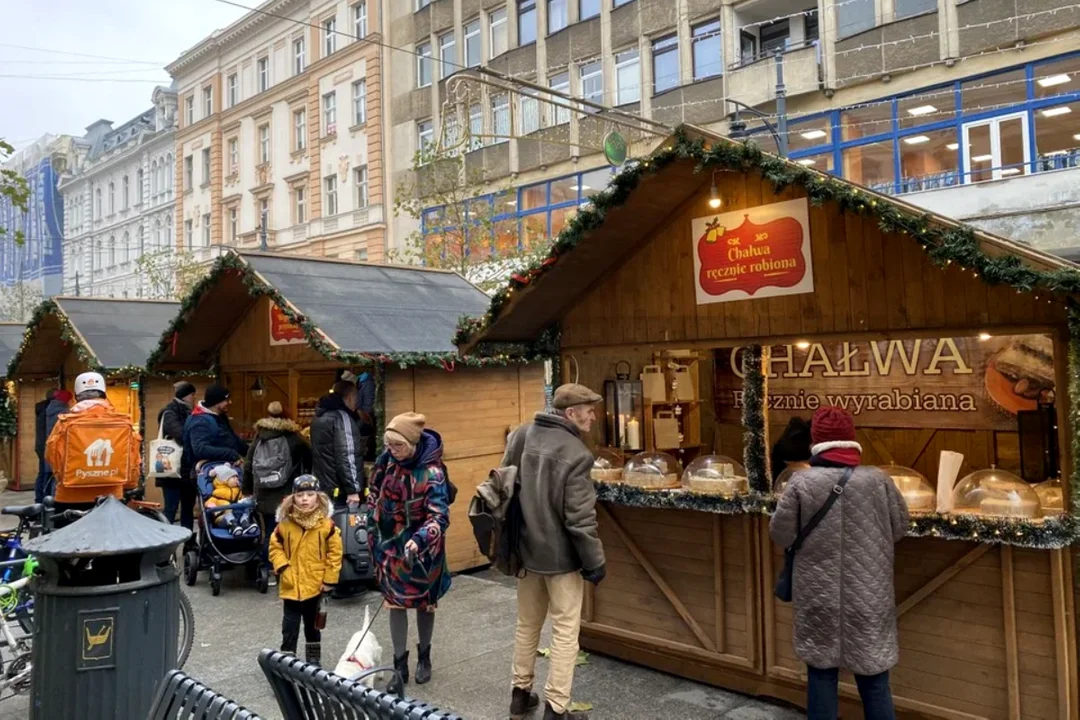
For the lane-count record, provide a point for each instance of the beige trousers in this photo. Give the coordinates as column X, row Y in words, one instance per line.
column 560, row 597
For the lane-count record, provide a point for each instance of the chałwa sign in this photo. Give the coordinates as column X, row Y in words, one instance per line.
column 946, row 383
column 284, row 331
column 756, row 253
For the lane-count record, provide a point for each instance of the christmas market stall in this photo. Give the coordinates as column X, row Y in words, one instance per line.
column 282, row 328
column 68, row 336
column 716, row 296
column 11, row 335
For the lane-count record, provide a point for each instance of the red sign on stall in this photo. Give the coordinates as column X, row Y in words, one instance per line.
column 284, row 331
column 756, row 253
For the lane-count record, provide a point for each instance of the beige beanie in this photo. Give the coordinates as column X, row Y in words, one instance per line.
column 274, row 409
column 408, row 425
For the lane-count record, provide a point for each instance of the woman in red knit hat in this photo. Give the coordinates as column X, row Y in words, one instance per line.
column 844, row 604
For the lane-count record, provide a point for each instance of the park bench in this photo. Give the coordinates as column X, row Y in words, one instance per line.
column 182, row 696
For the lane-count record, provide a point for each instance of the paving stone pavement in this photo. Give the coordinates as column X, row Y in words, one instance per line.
column 471, row 656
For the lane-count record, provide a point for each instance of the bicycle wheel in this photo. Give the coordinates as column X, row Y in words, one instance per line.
column 187, row 631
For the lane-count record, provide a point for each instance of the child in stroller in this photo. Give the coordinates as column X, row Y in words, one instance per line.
column 226, row 491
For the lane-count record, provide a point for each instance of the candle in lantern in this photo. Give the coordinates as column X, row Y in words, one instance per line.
column 633, row 433
column 622, row 429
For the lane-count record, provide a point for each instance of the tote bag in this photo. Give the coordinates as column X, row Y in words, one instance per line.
column 164, row 456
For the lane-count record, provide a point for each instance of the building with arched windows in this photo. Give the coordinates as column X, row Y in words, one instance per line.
column 119, row 205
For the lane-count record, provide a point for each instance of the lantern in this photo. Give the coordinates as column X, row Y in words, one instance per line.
column 625, row 410
column 257, row 387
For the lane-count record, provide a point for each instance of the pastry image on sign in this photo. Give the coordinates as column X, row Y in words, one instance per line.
column 753, row 253
column 1021, row 374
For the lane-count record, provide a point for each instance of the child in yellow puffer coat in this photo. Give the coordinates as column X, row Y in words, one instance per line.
column 227, row 492
column 305, row 551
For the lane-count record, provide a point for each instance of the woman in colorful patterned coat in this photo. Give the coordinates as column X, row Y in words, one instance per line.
column 410, row 509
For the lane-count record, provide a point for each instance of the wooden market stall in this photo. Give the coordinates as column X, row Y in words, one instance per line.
column 67, row 336
column 282, row 328
column 11, row 335
column 802, row 290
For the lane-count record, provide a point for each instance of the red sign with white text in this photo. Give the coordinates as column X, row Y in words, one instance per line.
column 284, row 331
column 755, row 253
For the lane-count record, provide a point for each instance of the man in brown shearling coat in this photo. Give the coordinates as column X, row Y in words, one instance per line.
column 844, row 601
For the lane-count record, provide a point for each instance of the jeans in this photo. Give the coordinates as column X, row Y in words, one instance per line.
column 41, row 481
column 180, row 497
column 823, row 698
column 295, row 611
column 560, row 597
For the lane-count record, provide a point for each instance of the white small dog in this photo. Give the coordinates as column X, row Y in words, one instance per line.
column 363, row 653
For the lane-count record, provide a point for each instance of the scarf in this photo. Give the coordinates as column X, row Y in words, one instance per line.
column 307, row 519
column 838, row 453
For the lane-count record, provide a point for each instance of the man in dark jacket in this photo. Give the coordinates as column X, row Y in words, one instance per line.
column 40, row 436
column 297, row 462
column 336, row 445
column 58, row 405
column 560, row 546
column 179, row 492
column 208, row 436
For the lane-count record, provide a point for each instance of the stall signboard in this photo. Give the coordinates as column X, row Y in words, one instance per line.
column 284, row 331
column 963, row 383
column 754, row 253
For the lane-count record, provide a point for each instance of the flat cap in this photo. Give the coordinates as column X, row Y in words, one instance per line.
column 573, row 394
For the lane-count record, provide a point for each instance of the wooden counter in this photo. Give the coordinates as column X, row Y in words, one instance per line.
column 986, row 631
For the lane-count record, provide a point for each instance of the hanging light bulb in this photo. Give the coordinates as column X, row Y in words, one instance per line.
column 714, row 194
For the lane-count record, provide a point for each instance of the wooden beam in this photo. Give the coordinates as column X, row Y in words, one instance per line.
column 768, row 577
column 870, row 437
column 943, row 577
column 652, row 643
column 718, row 582
column 920, row 446
column 294, row 393
column 655, row 576
column 1012, row 656
column 1062, row 403
column 1065, row 661
column 750, row 564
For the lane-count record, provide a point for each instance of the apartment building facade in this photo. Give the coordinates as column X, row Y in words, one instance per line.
column 280, row 133
column 119, row 204
column 928, row 98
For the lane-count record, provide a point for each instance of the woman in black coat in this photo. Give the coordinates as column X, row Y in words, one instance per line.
column 179, row 492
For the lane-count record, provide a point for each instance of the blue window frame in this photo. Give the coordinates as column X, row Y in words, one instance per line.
column 1040, row 79
column 531, row 209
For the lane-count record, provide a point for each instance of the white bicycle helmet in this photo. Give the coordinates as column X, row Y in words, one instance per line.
column 89, row 381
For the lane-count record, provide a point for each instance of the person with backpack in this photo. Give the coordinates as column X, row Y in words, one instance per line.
column 93, row 450
column 843, row 519
column 559, row 545
column 58, row 405
column 40, row 436
column 409, row 507
column 277, row 455
column 179, row 492
column 336, row 445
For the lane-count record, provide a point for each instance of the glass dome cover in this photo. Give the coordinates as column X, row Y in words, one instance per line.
column 918, row 493
column 715, row 475
column 780, row 484
column 1051, row 496
column 652, row 469
column 608, row 466
column 996, row 492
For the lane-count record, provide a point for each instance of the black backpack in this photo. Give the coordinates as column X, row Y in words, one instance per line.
column 271, row 463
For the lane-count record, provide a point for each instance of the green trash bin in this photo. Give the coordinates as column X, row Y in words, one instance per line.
column 106, row 615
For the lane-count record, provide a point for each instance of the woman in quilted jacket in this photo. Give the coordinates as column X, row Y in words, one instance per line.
column 305, row 551
column 409, row 503
column 843, row 598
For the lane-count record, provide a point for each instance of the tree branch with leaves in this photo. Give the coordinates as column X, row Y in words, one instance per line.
column 171, row 274
column 15, row 189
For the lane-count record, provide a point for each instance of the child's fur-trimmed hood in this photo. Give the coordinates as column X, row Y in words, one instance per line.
column 290, row 500
column 277, row 425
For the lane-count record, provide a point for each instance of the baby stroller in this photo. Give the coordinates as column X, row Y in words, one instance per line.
column 218, row 548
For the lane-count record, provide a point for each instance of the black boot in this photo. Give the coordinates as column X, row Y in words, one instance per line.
column 550, row 714
column 423, row 665
column 522, row 702
column 313, row 653
column 396, row 686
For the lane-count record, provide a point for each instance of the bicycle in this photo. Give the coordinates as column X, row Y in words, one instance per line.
column 14, row 672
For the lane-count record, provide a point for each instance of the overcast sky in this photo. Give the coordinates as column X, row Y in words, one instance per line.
column 152, row 31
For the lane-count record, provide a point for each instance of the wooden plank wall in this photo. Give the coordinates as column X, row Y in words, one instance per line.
column 473, row 409
column 29, row 393
column 960, row 644
column 865, row 282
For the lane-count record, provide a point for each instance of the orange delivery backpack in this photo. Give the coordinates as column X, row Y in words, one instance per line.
column 92, row 453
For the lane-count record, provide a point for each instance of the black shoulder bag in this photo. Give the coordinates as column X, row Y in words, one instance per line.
column 785, row 583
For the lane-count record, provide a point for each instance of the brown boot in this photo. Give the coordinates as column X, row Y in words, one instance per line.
column 550, row 714
column 522, row 702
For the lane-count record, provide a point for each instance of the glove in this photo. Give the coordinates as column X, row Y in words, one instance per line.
column 594, row 576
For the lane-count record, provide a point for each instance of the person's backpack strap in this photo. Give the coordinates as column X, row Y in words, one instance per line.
column 837, row 491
